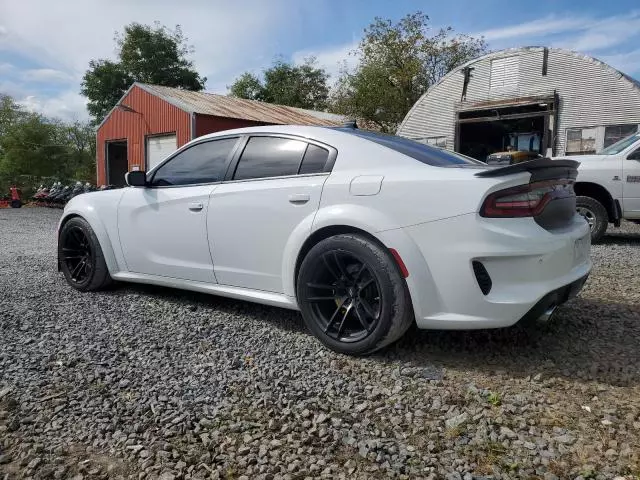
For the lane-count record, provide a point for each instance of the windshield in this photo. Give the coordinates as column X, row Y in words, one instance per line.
column 621, row 145
column 437, row 157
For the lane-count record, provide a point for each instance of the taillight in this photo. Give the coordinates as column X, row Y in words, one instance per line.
column 525, row 200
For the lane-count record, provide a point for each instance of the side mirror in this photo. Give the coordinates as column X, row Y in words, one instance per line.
column 634, row 155
column 136, row 179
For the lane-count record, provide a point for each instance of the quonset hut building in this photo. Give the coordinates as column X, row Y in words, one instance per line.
column 548, row 100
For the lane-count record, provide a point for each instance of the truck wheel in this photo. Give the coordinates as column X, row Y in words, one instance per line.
column 596, row 216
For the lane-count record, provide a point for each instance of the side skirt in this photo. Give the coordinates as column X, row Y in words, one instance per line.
column 257, row 296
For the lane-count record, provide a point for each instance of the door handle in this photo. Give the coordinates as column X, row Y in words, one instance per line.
column 195, row 207
column 299, row 198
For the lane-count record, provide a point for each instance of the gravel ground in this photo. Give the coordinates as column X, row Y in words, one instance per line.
column 142, row 382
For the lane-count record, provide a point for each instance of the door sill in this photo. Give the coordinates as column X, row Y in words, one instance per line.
column 258, row 296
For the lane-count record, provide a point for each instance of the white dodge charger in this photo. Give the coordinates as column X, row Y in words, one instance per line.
column 364, row 233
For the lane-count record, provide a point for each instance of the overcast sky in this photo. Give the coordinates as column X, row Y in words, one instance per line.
column 45, row 45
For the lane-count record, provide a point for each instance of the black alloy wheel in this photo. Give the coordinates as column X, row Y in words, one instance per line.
column 352, row 295
column 76, row 254
column 80, row 256
column 345, row 297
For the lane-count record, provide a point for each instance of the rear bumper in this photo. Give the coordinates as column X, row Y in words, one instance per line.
column 553, row 299
column 529, row 268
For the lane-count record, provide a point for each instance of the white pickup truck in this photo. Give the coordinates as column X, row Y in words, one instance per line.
column 608, row 185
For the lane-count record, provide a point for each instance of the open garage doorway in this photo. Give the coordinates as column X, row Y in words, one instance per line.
column 117, row 163
column 525, row 127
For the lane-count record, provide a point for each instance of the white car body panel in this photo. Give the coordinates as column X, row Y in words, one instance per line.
column 246, row 241
column 163, row 231
column 250, row 222
column 619, row 175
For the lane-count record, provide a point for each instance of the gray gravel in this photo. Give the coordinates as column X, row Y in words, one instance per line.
column 143, row 382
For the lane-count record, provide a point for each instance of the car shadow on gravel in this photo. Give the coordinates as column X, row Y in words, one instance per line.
column 280, row 317
column 622, row 238
column 586, row 339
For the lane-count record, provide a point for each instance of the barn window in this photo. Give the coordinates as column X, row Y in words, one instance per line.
column 581, row 141
column 504, row 74
column 613, row 133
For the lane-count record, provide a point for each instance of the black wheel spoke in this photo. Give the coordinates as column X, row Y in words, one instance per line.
column 342, row 322
column 360, row 272
column 334, row 316
column 360, row 318
column 367, row 308
column 329, row 268
column 77, row 269
column 341, row 267
column 365, row 284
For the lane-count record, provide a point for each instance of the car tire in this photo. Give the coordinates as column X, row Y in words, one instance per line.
column 80, row 257
column 595, row 214
column 352, row 295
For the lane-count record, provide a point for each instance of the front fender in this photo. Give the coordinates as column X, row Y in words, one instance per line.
column 102, row 221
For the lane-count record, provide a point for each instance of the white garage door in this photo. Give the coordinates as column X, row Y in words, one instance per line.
column 159, row 148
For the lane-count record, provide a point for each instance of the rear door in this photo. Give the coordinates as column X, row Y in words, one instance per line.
column 163, row 227
column 631, row 184
column 274, row 188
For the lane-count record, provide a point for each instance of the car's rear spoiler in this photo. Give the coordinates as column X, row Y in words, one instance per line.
column 540, row 168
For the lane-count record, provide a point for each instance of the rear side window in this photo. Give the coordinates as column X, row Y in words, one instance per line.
column 429, row 155
column 265, row 157
column 202, row 163
column 315, row 159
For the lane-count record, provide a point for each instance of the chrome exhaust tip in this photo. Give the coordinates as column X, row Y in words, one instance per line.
column 548, row 313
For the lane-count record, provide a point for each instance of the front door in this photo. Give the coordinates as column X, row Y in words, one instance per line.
column 631, row 184
column 275, row 190
column 163, row 227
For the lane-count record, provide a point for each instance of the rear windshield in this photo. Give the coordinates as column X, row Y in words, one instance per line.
column 427, row 154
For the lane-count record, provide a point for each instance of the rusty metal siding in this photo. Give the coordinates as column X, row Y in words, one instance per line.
column 208, row 124
column 238, row 108
column 592, row 94
column 155, row 116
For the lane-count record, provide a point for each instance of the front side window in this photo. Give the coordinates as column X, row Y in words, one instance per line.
column 202, row 163
column 265, row 157
column 581, row 141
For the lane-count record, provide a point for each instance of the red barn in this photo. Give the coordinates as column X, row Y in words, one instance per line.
column 149, row 122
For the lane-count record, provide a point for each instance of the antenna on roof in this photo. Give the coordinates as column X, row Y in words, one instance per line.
column 350, row 124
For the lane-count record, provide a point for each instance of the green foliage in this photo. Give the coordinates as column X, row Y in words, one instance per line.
column 397, row 63
column 34, row 148
column 146, row 54
column 494, row 399
column 302, row 86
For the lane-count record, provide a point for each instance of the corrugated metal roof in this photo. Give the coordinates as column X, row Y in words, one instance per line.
column 231, row 107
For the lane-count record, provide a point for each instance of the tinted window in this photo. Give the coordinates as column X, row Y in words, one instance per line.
column 202, row 163
column 315, row 158
column 270, row 157
column 423, row 153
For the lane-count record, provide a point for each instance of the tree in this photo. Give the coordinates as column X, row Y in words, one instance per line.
column 302, row 86
column 145, row 54
column 247, row 86
column 398, row 62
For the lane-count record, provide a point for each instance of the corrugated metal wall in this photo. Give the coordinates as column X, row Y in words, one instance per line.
column 208, row 124
column 155, row 116
column 591, row 94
